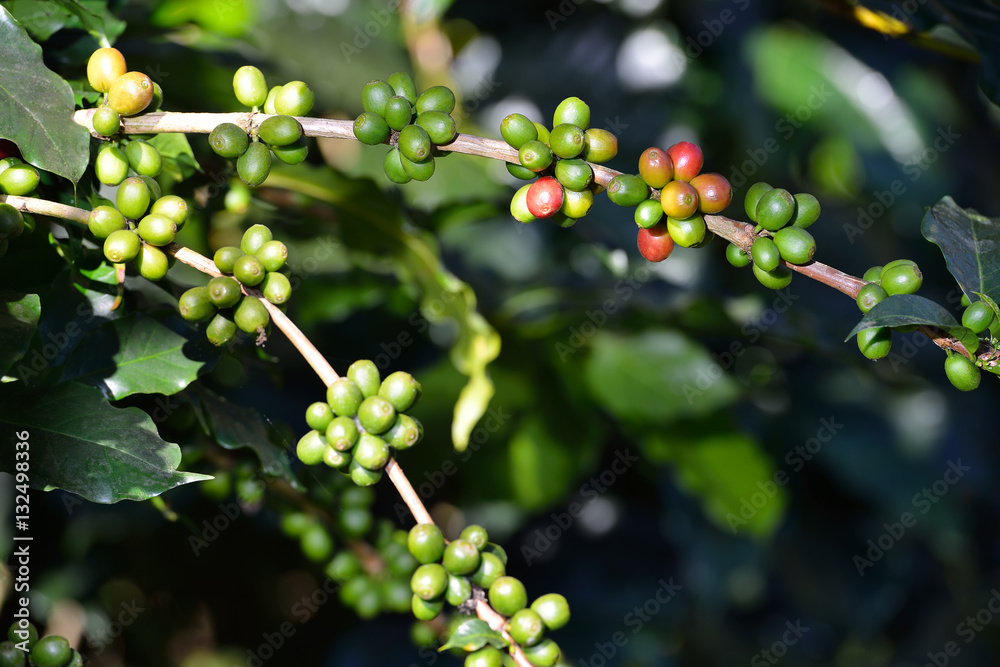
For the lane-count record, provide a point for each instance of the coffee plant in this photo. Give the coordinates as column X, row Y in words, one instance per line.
column 247, row 281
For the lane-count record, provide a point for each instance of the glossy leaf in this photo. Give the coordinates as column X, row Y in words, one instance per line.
column 905, row 309
column 970, row 243
column 472, row 635
column 18, row 323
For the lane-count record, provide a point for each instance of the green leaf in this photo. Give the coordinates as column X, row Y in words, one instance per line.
column 900, row 310
column 540, row 464
column 138, row 355
column 970, row 244
column 42, row 18
column 18, row 323
column 81, row 444
column 729, row 474
column 178, row 159
column 655, row 377
column 472, row 635
column 36, row 106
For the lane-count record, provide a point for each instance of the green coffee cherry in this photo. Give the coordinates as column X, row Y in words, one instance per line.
column 461, row 557
column 363, row 476
column 737, row 256
column 133, row 198
column 104, row 220
column 459, row 590
column 875, row 342
column 898, row 262
column 310, row 448
column 157, row 230
column 752, row 198
column 254, row 165
column 543, row 133
column 151, row 262
column 295, row 98
column 519, row 205
column 795, row 244
column 272, row 254
column 526, row 627
column 254, row 238
column 293, row 153
column 344, row 566
column 111, row 165
column 807, row 210
column 689, row 232
column 405, row 432
column 51, row 651
column 487, row 656
column 11, row 656
column 566, row 140
column 11, row 222
column 901, row 279
column 250, row 86
column 576, row 204
column 153, row 185
column 401, row 390
column 342, row 433
column 144, row 159
column 364, row 373
column 418, row 171
column 279, row 131
column 316, row 543
column 393, row 167
column 873, row 275
column 251, row 315
column 477, row 535
column 961, row 372
column 371, row 129
column 173, row 207
column 19, row 180
column 627, row 190
column 438, row 125
column 376, row 414
column 545, row 653
column 106, row 121
column 765, row 253
column 371, row 451
column 228, row 140
column 775, row 209
column 122, row 246
column 426, row 543
column 574, row 174
column 553, row 610
column 344, row 397
column 195, row 304
column 977, row 317
column 249, row 270
column 375, row 95
column 15, row 639
column 574, row 111
column 276, row 288
column 398, row 112
column 778, row 278
column 319, row 415
column 414, row 143
column 429, row 581
column 224, row 292
column 599, row 145
column 402, row 85
column 533, row 155
column 869, row 295
column 490, row 569
column 225, row 258
column 436, row 98
column 424, row 610
column 517, row 129
column 507, row 595
column 269, row 101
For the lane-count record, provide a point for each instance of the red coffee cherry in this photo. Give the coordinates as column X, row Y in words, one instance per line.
column 688, row 160
column 655, row 243
column 545, row 197
column 656, row 167
column 714, row 192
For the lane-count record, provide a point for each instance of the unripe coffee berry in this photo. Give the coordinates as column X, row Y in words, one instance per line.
column 436, row 98
column 765, row 253
column 679, row 199
column 249, row 270
column 977, row 317
column 553, row 610
column 228, row 140
column 104, row 220
column 737, row 256
column 51, row 651
column 526, row 627
column 224, row 292
column 418, row 171
column 310, row 447
column 459, row 590
column 279, row 131
column 648, row 213
column 251, row 315
column 795, row 244
column 401, row 390
column 775, row 209
column 424, row 610
column 576, row 204
column 869, row 295
column 414, row 143
column 490, row 569
column 535, row 155
column 276, row 288
column 426, row 542
column 144, row 159
column 545, row 653
column 438, row 125
column 901, row 279
column 566, row 140
column 461, row 557
column 429, row 581
column 398, row 112
column 574, row 174
column 221, row 330
column 342, row 433
column 151, row 262
column 363, row 476
column 778, row 278
column 318, row 416
column 655, row 243
column 507, row 595
column 393, row 167
column 122, row 246
column 254, row 165
column 487, row 656
column 250, row 86
column 111, row 165
column 689, row 232
column 295, row 98
column 405, row 433
column 807, row 210
column 272, row 254
column 519, row 204
column 106, row 121
column 599, row 145
column 961, row 372
column 574, row 111
column 875, row 342
column 344, row 397
column 627, row 190
column 225, row 258
column 371, row 451
column 687, row 159
column 375, row 96
column 173, row 207
column 157, row 230
column 873, row 275
column 544, row 197
column 516, row 129
column 195, row 304
column 376, row 414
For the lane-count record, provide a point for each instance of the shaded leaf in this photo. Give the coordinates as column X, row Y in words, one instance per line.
column 541, row 465
column 36, row 106
column 970, row 244
column 42, row 18
column 472, row 635
column 81, row 444
column 18, row 323
column 900, row 310
column 178, row 159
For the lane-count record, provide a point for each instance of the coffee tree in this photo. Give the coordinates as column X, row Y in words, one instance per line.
column 186, row 291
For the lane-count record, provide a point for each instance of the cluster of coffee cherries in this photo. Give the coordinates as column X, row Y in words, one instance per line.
column 460, row 571
column 17, row 178
column 257, row 263
column 12, row 225
column 125, row 93
column 415, row 125
column 560, row 161
column 361, row 422
column 138, row 226
column 280, row 134
column 981, row 319
column 781, row 219
column 24, row 648
column 900, row 276
column 686, row 196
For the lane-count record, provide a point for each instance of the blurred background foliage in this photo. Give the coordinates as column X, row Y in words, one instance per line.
column 717, row 435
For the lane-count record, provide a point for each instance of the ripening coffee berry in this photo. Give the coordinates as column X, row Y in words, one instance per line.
column 106, row 121
column 875, row 342
column 714, row 192
column 737, row 256
column 901, row 279
column 574, row 111
column 574, row 174
column 461, row 557
column 436, row 98
column 414, row 143
column 516, row 129
column 363, row 476
column 599, row 145
column 344, row 397
column 104, row 67
column 775, row 209
column 795, row 244
column 869, row 295
column 438, row 125
column 807, row 210
column 679, row 199
column 519, row 205
column 401, row 390
column 977, row 317
column 151, row 262
column 157, row 230
column 110, row 166
column 249, row 270
column 130, row 93
column 364, row 373
column 250, row 86
column 655, row 243
column 405, row 433
column 19, row 180
column 254, row 165
column 535, row 155
column 507, row 595
column 173, row 207
column 122, row 246
column 778, row 278
column 51, row 651
column 961, row 372
column 393, row 167
column 224, row 292
column 544, row 197
column 490, row 569
column 429, row 581
column 371, row 451
column 195, row 304
column 566, row 140
column 276, row 288
column 526, row 627
column 546, row 653
column 228, row 140
column 656, row 167
column 104, row 220
column 143, row 157
column 295, row 98
column 376, row 415
column 418, row 171
column 426, row 542
column 279, row 131
column 687, row 159
column 576, row 204
column 648, row 213
column 254, row 238
column 225, row 258
column 342, row 433
column 627, row 190
column 424, row 610
column 689, row 232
